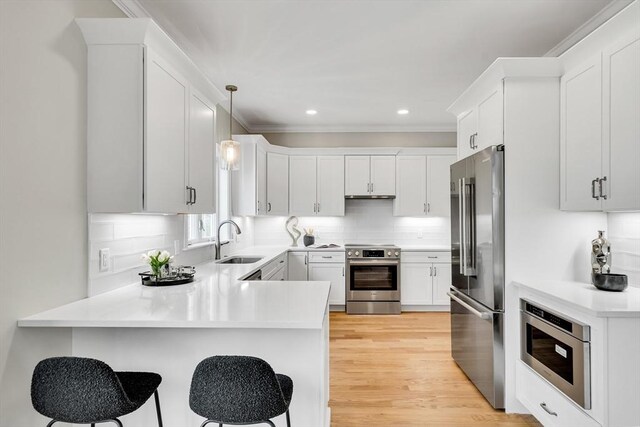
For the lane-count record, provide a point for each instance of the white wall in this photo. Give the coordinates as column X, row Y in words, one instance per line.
column 43, row 221
column 362, row 139
column 366, row 221
column 624, row 236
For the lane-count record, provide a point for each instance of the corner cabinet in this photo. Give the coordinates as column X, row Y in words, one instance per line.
column 150, row 121
column 316, row 185
column 320, row 266
column 367, row 176
column 600, row 131
column 422, row 186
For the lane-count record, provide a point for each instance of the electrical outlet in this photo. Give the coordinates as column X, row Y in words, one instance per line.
column 104, row 259
column 419, row 233
column 176, row 247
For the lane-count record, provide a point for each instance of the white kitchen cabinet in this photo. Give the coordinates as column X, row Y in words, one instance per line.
column 277, row 184
column 600, row 130
column 261, row 184
column 330, row 185
column 370, row 176
column 425, row 278
column 581, row 135
column 482, row 126
column 302, row 185
column 249, row 181
column 316, row 185
column 297, row 266
column 422, row 186
column 621, row 125
column 201, row 154
column 144, row 125
column 334, row 273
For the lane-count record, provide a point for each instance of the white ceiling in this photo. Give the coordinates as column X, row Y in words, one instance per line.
column 358, row 62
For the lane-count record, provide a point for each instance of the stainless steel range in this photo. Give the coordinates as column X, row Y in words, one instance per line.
column 373, row 279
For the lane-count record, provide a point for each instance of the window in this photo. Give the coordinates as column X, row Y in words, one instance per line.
column 200, row 229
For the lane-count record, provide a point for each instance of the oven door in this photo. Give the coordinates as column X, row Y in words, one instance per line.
column 373, row 280
column 560, row 358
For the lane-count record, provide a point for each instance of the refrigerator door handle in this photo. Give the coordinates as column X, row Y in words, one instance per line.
column 483, row 316
column 461, row 226
column 472, row 229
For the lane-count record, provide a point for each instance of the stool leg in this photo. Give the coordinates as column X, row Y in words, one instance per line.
column 51, row 423
column 93, row 424
column 270, row 423
column 117, row 421
column 288, row 420
column 157, row 398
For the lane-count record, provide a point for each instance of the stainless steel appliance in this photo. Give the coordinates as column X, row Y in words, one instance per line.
column 373, row 279
column 558, row 349
column 477, row 251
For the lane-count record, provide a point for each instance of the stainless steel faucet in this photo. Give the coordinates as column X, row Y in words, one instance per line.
column 218, row 244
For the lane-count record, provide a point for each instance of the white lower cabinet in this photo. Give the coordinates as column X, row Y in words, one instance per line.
column 320, row 266
column 334, row 273
column 425, row 278
column 297, row 266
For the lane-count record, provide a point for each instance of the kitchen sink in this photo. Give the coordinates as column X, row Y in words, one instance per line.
column 240, row 260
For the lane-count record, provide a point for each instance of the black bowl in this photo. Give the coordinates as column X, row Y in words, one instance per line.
column 610, row 282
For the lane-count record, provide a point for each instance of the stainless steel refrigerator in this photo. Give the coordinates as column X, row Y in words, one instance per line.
column 477, row 291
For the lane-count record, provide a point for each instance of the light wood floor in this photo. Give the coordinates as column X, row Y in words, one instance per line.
column 398, row 371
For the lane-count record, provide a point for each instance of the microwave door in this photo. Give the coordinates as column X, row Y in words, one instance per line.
column 486, row 229
column 458, row 279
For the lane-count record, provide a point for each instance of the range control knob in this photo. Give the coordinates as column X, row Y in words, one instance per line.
column 357, row 253
column 397, row 253
column 389, row 253
column 349, row 253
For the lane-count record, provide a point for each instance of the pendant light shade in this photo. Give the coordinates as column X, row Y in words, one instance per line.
column 230, row 149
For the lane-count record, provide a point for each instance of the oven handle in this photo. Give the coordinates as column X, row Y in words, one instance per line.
column 483, row 316
column 373, row 262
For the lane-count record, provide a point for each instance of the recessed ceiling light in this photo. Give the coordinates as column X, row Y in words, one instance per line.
column 403, row 112
column 311, row 112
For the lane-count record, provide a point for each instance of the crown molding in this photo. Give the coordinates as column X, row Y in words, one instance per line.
column 132, row 8
column 351, row 129
column 606, row 13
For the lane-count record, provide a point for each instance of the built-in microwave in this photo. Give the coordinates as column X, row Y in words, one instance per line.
column 558, row 349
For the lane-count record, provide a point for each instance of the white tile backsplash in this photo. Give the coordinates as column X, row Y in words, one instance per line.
column 366, row 221
column 624, row 235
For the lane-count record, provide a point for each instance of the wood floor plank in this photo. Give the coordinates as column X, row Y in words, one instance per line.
column 398, row 370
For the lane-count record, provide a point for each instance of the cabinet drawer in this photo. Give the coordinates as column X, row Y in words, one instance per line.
column 326, row 257
column 533, row 391
column 409, row 256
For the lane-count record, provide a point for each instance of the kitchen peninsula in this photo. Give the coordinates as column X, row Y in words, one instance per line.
column 170, row 329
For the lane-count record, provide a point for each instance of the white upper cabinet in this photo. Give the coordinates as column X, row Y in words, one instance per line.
column 383, row 175
column 600, row 131
column 580, row 136
column 330, row 185
column 370, row 176
column 357, row 179
column 201, row 148
column 422, row 186
column 302, row 185
column 621, row 125
column 277, row 184
column 150, row 122
column 316, row 185
column 482, row 125
column 259, row 202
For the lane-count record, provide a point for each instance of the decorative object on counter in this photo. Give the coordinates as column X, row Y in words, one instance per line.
column 230, row 149
column 159, row 261
column 325, row 246
column 600, row 251
column 292, row 228
column 309, row 238
column 174, row 276
column 610, row 281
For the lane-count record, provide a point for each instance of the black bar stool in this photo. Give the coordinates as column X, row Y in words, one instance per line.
column 88, row 391
column 239, row 390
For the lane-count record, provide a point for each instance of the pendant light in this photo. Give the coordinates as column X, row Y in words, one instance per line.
column 230, row 149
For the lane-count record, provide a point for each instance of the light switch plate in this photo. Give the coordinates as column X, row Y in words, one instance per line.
column 104, row 259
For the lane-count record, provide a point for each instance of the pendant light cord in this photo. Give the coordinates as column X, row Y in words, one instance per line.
column 231, row 115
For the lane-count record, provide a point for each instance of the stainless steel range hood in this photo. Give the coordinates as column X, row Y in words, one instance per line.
column 369, row 196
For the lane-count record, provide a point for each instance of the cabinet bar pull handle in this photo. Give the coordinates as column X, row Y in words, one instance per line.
column 305, row 260
column 593, row 189
column 314, row 208
column 547, row 410
column 189, row 200
column 268, row 207
column 471, row 141
column 342, row 271
column 435, row 271
column 318, row 207
column 372, row 187
column 195, row 195
column 428, row 207
column 604, row 196
column 430, row 271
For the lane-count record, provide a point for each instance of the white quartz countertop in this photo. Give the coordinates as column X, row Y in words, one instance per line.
column 216, row 299
column 586, row 297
